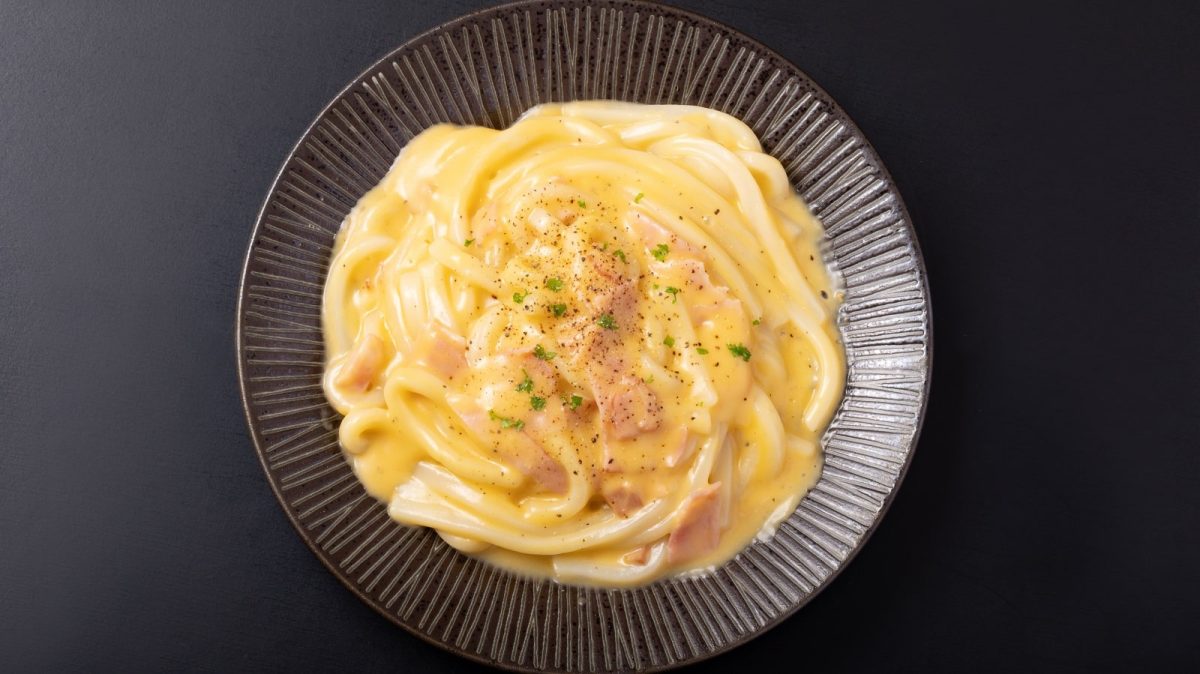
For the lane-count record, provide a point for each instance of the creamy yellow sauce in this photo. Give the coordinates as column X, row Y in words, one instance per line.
column 598, row 345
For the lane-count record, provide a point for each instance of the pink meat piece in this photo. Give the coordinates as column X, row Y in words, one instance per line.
column 629, row 408
column 623, row 500
column 363, row 364
column 653, row 233
column 699, row 530
column 445, row 352
column 525, row 454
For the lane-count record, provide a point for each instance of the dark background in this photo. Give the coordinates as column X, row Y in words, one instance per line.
column 1049, row 159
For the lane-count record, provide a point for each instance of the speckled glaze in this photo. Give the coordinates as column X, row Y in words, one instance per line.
column 487, row 68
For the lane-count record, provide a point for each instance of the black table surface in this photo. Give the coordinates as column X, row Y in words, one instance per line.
column 1049, row 158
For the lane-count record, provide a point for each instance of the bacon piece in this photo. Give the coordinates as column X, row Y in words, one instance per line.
column 445, row 352
column 697, row 275
column 533, row 461
column 629, row 408
column 545, row 377
column 652, row 232
column 364, row 363
column 698, row 531
column 518, row 449
column 623, row 500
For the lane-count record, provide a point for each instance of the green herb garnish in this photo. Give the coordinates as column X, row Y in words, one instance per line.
column 576, row 401
column 558, row 310
column 554, row 283
column 674, row 293
column 582, row 203
column 669, row 340
column 639, row 197
column 519, row 298
column 536, row 402
column 526, row 384
column 660, row 252
column 620, row 254
column 542, row 354
column 607, row 322
column 701, row 350
column 468, row 242
column 506, row 422
column 739, row 350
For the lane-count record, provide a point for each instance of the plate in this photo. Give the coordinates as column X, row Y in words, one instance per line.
column 486, row 68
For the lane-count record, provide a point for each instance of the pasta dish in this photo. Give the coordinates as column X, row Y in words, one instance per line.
column 599, row 345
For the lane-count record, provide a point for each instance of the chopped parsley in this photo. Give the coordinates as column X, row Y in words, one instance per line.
column 576, row 401
column 582, row 203
column 554, row 283
column 506, row 422
column 558, row 310
column 468, row 242
column 620, row 254
column 739, row 350
column 674, row 293
column 669, row 340
column 639, row 197
column 607, row 322
column 757, row 321
column 526, row 384
column 701, row 350
column 660, row 252
column 536, row 402
column 541, row 353
column 519, row 298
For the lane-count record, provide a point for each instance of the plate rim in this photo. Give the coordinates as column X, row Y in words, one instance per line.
column 718, row 25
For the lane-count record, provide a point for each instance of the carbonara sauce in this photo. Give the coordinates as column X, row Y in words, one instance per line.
column 598, row 345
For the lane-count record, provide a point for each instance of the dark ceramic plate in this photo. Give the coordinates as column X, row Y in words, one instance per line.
column 487, row 68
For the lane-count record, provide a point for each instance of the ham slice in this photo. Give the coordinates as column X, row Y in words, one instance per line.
column 444, row 352
column 363, row 364
column 534, row 462
column 623, row 500
column 629, row 408
column 698, row 530
column 697, row 275
column 652, row 232
column 518, row 449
